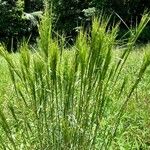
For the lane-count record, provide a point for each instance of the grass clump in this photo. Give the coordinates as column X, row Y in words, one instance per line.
column 67, row 101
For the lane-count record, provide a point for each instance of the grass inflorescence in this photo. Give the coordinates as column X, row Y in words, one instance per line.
column 70, row 99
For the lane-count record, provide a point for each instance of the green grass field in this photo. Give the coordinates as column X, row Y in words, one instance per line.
column 134, row 129
column 5, row 81
column 92, row 97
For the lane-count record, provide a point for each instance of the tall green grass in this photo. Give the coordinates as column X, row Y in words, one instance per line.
column 65, row 99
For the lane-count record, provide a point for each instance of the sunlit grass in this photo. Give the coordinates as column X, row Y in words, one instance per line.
column 4, row 79
column 135, row 121
column 87, row 98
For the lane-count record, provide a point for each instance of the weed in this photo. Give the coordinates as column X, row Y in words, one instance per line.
column 65, row 101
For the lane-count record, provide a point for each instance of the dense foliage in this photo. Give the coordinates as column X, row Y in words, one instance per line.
column 69, row 15
column 15, row 23
column 11, row 23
